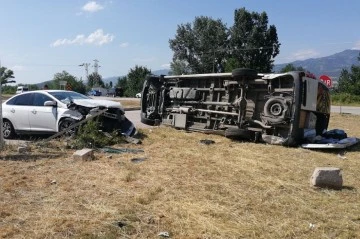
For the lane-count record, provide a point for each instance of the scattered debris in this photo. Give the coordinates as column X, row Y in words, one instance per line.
column 121, row 150
column 341, row 155
column 164, row 234
column 332, row 139
column 327, row 177
column 132, row 140
column 23, row 149
column 137, row 160
column 311, row 226
column 120, row 224
column 53, row 182
column 109, row 157
column 207, row 141
column 84, row 154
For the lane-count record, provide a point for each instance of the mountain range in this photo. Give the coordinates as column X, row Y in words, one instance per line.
column 330, row 65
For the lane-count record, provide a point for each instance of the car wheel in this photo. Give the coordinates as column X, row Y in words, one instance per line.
column 8, row 130
column 66, row 123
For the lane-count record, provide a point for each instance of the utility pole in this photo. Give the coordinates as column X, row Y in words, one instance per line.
column 1, row 118
column 96, row 66
column 86, row 66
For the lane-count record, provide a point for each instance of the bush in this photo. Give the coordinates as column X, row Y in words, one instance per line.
column 89, row 135
column 345, row 98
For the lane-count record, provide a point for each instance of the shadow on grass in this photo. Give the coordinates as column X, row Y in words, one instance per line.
column 350, row 188
column 140, row 135
column 30, row 157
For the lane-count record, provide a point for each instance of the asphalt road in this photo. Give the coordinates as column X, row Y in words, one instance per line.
column 134, row 117
column 345, row 110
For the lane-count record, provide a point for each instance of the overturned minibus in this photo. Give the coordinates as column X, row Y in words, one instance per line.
column 273, row 108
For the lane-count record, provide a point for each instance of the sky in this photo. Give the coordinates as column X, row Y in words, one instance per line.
column 41, row 38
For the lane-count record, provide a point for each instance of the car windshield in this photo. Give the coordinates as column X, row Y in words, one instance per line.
column 67, row 96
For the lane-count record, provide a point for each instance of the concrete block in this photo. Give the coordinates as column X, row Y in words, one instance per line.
column 327, row 177
column 84, row 154
column 23, row 149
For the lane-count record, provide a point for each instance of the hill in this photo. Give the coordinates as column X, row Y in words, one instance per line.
column 330, row 65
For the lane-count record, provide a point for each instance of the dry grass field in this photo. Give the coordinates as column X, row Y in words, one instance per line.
column 128, row 103
column 230, row 189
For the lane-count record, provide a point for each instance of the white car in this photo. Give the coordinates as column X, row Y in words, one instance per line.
column 51, row 111
column 138, row 95
column 21, row 89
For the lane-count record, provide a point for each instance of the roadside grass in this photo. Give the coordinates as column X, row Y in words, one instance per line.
column 6, row 96
column 336, row 103
column 230, row 189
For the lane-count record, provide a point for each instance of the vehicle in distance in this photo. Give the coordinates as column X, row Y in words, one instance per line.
column 21, row 89
column 281, row 108
column 94, row 93
column 52, row 111
column 138, row 95
column 115, row 92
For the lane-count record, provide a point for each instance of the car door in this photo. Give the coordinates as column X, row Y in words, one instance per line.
column 42, row 118
column 16, row 110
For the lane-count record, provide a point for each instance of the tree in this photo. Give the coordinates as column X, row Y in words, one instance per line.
column 253, row 43
column 6, row 75
column 201, row 45
column 110, row 84
column 76, row 85
column 179, row 67
column 135, row 80
column 349, row 82
column 95, row 79
column 121, row 83
column 291, row 67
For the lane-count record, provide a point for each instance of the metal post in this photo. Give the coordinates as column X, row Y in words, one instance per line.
column 1, row 118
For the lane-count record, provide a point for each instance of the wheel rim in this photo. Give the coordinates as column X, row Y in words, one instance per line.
column 6, row 129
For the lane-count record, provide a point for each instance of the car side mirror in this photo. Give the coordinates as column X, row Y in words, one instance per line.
column 50, row 103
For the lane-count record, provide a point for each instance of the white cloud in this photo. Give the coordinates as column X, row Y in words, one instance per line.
column 92, row 6
column 124, row 44
column 166, row 65
column 305, row 54
column 96, row 38
column 357, row 46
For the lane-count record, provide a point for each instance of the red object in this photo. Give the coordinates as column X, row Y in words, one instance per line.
column 327, row 80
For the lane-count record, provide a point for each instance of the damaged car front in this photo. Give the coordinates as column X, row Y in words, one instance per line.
column 76, row 107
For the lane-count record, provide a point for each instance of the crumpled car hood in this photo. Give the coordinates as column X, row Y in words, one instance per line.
column 91, row 103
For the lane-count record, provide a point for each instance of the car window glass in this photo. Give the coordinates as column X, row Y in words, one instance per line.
column 11, row 101
column 67, row 96
column 25, row 99
column 39, row 99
